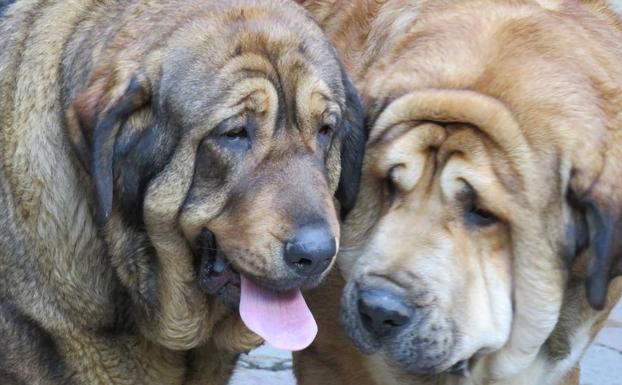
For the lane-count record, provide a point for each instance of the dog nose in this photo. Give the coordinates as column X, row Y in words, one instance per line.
column 382, row 312
column 311, row 250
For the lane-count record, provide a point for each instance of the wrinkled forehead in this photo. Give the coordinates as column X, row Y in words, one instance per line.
column 452, row 111
column 410, row 146
column 253, row 67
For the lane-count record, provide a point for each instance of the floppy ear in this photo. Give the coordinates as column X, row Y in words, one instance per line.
column 94, row 120
column 603, row 232
column 353, row 141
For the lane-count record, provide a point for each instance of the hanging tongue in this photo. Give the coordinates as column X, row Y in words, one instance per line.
column 282, row 319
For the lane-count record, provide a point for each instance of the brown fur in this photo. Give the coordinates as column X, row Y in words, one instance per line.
column 118, row 149
column 522, row 99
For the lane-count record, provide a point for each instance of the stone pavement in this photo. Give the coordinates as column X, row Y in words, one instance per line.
column 264, row 366
column 601, row 365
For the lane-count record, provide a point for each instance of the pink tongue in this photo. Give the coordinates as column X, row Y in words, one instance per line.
column 282, row 319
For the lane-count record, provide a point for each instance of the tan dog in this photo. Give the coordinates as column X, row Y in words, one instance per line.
column 493, row 165
column 160, row 160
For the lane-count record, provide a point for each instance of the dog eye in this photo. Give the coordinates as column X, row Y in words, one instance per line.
column 326, row 130
column 237, row 138
column 237, row 133
column 324, row 135
column 474, row 214
column 480, row 217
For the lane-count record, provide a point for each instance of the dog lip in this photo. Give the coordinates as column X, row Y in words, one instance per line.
column 216, row 275
column 216, row 272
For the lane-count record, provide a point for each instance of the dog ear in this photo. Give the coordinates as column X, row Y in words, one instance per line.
column 93, row 122
column 353, row 140
column 601, row 232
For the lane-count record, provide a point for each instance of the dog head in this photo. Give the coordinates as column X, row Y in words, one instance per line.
column 489, row 171
column 219, row 151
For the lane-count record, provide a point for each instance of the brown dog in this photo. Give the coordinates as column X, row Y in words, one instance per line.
column 161, row 159
column 493, row 165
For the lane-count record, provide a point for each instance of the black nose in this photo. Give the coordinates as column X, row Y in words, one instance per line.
column 382, row 312
column 311, row 250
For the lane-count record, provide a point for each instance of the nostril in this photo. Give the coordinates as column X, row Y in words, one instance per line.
column 367, row 321
column 304, row 262
column 382, row 312
column 396, row 320
column 393, row 323
column 311, row 250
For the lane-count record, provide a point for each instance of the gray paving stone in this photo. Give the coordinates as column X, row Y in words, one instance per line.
column 264, row 366
column 601, row 365
column 602, row 362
